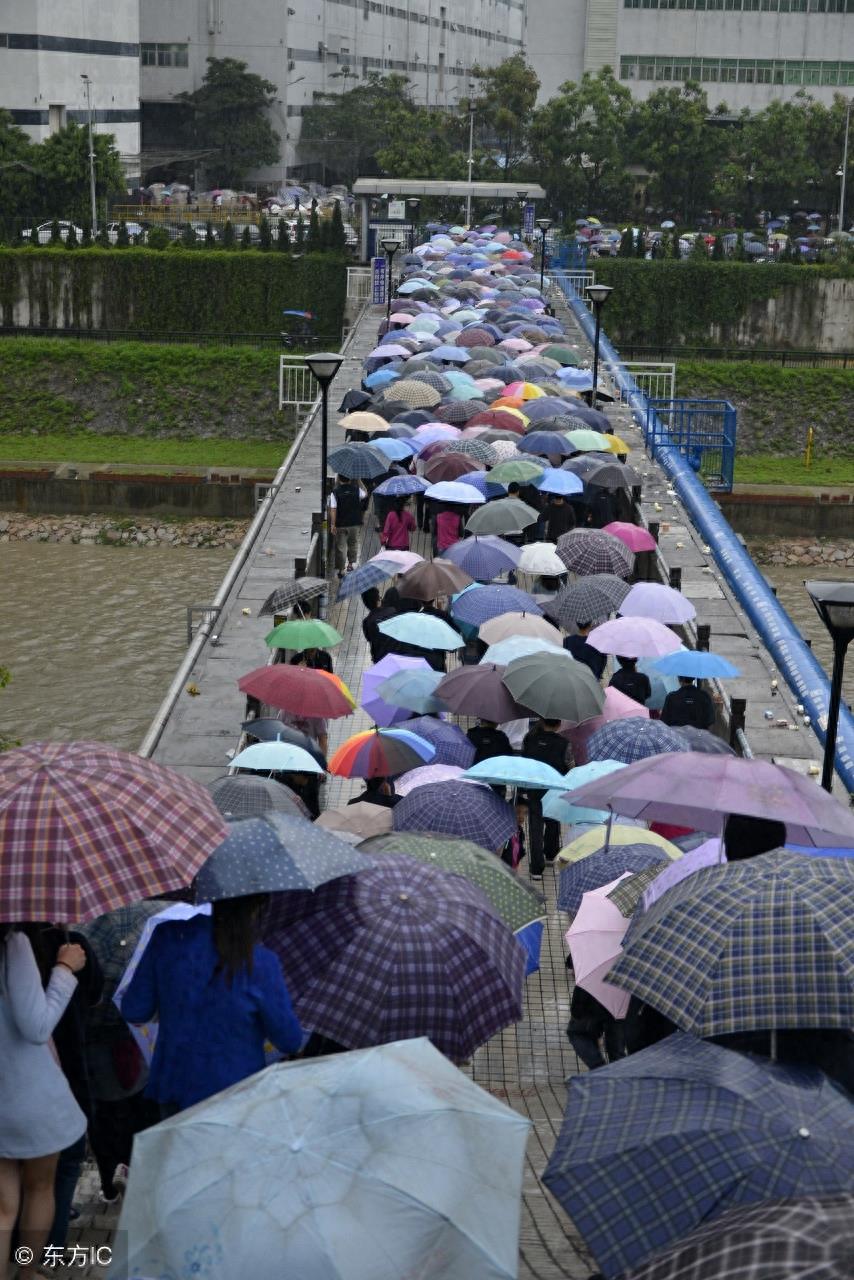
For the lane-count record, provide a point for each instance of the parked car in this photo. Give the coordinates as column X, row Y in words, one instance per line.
column 42, row 233
column 135, row 230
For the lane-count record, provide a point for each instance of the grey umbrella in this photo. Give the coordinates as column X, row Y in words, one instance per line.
column 290, row 592
column 504, row 515
column 588, row 600
column 243, row 795
column 358, row 462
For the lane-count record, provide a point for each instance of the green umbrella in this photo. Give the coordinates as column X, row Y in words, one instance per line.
column 515, row 902
column 303, row 633
column 522, row 472
column 563, row 355
column 556, row 687
column 504, row 515
column 584, row 441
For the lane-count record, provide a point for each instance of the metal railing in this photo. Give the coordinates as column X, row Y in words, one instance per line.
column 298, row 388
column 359, row 284
column 760, row 355
column 656, row 379
column 271, row 341
column 577, row 281
column 703, row 431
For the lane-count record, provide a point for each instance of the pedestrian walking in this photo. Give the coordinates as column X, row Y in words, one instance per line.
column 584, row 652
column 633, row 683
column 399, row 525
column 688, row 705
column 594, row 1033
column 543, row 743
column 345, row 522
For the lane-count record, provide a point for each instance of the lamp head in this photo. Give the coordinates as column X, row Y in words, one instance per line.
column 390, row 245
column 834, row 602
column 324, row 365
column 544, row 224
column 599, row 293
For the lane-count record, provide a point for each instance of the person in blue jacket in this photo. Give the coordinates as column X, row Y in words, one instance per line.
column 218, row 996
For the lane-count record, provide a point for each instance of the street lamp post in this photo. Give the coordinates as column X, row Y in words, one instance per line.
column 92, row 199
column 834, row 602
column 390, row 247
column 599, row 295
column 414, row 205
column 471, row 151
column 522, row 197
column 324, row 365
column 543, row 224
column 843, row 168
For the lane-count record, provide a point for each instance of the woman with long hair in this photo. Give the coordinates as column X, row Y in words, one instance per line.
column 218, row 995
column 38, row 1115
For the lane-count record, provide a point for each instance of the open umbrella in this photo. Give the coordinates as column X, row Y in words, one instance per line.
column 777, row 1240
column 399, row 951
column 424, row 775
column 299, row 691
column 450, row 466
column 655, row 600
column 401, row 486
column 515, row 901
column 474, row 608
column 701, row 1130
column 593, row 597
column 415, row 690
column 588, row 551
column 700, row 791
column 457, row 809
column 483, row 557
column 595, row 940
column 303, row 633
column 452, row 745
column 239, row 795
column 618, row 706
column 422, row 630
column 267, row 729
column 290, row 593
column 557, row 688
column 508, row 625
column 479, row 691
column 522, row 472
column 603, row 867
column 514, row 771
column 541, row 558
column 381, row 712
column 503, row 516
column 559, row 809
column 459, row 492
column 380, row 753
column 365, row 576
column 433, row 578
column 401, row 561
column 553, row 480
column 358, row 462
column 368, row 423
column 85, row 828
column 632, row 739
column 601, row 837
column 698, row 663
column 634, row 536
column 504, row 651
column 705, row 741
column 358, row 821
column 276, row 757
column 274, row 855
column 634, row 637
column 765, row 944
column 305, row 1177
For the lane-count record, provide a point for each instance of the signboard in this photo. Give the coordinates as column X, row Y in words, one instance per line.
column 379, row 268
column 528, row 219
column 397, row 209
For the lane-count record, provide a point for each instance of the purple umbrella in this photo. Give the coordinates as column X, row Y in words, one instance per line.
column 400, row 951
column 707, row 854
column 634, row 638
column 457, row 809
column 700, row 791
column 452, row 745
column 480, row 691
column 476, row 607
column 633, row 739
column 655, row 600
column 381, row 712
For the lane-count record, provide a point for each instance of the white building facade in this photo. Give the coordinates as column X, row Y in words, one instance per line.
column 310, row 47
column 744, row 52
column 48, row 46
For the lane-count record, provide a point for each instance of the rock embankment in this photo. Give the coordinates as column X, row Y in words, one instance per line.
column 103, row 530
column 809, row 552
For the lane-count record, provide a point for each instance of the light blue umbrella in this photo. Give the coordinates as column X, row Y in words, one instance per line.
column 696, row 663
column 414, row 690
column 453, row 355
column 276, row 757
column 377, row 1164
column 554, row 480
column 515, row 771
column 661, row 685
column 365, row 576
column 560, row 810
column 393, row 449
column 381, row 378
column 506, row 651
column 454, row 491
column 422, row 630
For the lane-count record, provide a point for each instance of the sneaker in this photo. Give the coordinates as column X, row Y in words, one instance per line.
column 108, row 1202
column 120, row 1178
column 536, row 875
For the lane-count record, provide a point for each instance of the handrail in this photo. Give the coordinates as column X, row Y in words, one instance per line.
column 793, row 657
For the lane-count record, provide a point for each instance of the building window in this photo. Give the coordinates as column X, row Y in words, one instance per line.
column 165, row 55
column 669, row 69
column 56, row 117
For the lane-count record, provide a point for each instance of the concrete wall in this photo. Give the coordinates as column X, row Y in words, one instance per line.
column 41, row 493
column 818, row 317
column 766, row 515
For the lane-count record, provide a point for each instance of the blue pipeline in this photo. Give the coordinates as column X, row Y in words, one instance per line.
column 792, row 656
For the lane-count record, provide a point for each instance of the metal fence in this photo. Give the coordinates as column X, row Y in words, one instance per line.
column 656, row 379
column 764, row 355
column 267, row 341
column 298, row 387
column 703, row 431
column 576, row 281
column 359, row 284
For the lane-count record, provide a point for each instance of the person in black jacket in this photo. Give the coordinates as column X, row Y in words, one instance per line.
column 633, row 683
column 584, row 652
column 688, row 705
column 345, row 521
column 314, row 659
column 560, row 517
column 488, row 741
column 544, row 743
column 377, row 791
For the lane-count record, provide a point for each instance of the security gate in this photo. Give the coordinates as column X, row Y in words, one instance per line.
column 703, row 431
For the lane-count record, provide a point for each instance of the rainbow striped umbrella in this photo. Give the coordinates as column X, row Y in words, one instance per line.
column 380, row 753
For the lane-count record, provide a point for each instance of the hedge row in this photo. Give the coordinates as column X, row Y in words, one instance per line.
column 180, row 291
column 678, row 303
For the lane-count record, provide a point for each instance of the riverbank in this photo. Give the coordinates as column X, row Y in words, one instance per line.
column 102, row 530
column 803, row 552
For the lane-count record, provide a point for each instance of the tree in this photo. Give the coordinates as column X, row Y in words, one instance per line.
column 246, row 238
column 699, row 252
column 718, row 254
column 579, row 142
column 71, row 241
column 55, row 232
column 158, row 238
column 337, row 234
column 228, row 237
column 312, row 243
column 188, row 236
column 86, row 238
column 229, row 115
column 284, row 241
column 19, row 179
column 63, row 163
column 504, row 108
column 672, row 137
column 265, row 236
column 299, row 239
column 627, row 243
column 210, row 236
column 122, row 237
column 6, row 743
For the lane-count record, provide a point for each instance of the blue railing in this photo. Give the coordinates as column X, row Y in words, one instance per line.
column 704, row 432
column 792, row 656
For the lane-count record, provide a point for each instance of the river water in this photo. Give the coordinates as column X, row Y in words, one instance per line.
column 93, row 635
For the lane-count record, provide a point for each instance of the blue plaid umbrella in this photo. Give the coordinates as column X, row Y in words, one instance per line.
column 457, row 809
column 603, row 867
column 483, row 558
column 762, row 944
column 633, row 739
column 477, row 607
column 401, row 486
column 365, row 576
column 273, row 855
column 452, row 745
column 656, row 1144
column 358, row 462
column 480, row 480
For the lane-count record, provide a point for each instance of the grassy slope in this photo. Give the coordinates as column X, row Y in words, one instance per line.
column 147, row 450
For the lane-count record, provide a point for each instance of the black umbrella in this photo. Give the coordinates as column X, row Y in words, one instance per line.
column 353, row 400
column 245, row 795
column 290, row 592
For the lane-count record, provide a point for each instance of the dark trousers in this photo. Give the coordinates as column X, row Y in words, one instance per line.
column 587, row 1032
column 65, row 1184
column 112, row 1131
column 544, row 835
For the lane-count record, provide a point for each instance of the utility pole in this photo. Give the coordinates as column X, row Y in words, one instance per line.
column 844, row 167
column 471, row 151
column 94, row 210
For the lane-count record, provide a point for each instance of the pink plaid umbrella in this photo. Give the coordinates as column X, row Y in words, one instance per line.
column 85, row 829
column 595, row 940
column 426, row 774
column 403, row 559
